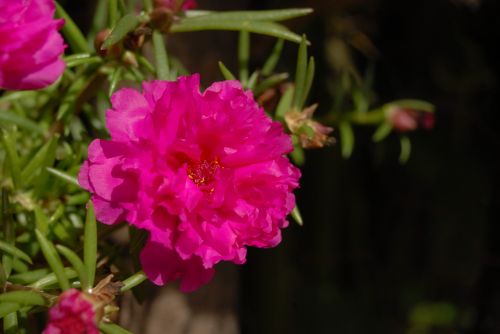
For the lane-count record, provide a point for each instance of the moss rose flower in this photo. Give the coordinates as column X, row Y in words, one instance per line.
column 30, row 44
column 204, row 173
column 73, row 314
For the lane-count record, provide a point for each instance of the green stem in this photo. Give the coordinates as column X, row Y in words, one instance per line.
column 375, row 116
column 133, row 281
column 161, row 58
column 72, row 32
column 90, row 246
column 243, row 55
column 148, row 5
column 113, row 12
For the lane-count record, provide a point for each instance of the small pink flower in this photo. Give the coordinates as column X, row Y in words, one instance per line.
column 205, row 173
column 171, row 4
column 407, row 120
column 30, row 44
column 73, row 314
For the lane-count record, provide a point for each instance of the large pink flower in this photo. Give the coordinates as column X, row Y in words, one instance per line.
column 204, row 173
column 30, row 44
column 73, row 314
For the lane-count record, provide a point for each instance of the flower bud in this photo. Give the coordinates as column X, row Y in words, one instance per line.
column 113, row 51
column 311, row 133
column 407, row 120
column 73, row 313
column 78, row 312
column 162, row 19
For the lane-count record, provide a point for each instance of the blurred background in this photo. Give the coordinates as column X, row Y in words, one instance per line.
column 385, row 247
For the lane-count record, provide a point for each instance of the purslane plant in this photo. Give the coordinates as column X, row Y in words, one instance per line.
column 199, row 174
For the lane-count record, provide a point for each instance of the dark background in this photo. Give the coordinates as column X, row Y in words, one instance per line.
column 385, row 248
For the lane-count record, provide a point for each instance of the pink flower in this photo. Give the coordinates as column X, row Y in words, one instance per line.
column 204, row 173
column 171, row 4
column 407, row 120
column 73, row 314
column 30, row 44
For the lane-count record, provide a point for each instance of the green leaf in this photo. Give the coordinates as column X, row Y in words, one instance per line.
column 414, row 104
column 125, row 25
column 77, row 263
column 404, row 156
column 252, row 80
column 14, row 251
column 72, row 33
column 70, row 98
column 13, row 96
column 77, row 199
column 112, row 329
column 285, row 103
column 7, row 264
column 346, row 139
column 133, row 281
column 258, row 27
column 63, row 176
column 257, row 15
column 81, row 59
column 8, row 308
column 382, row 132
column 274, row 57
column 51, row 279
column 12, row 158
column 41, row 220
column 10, row 325
column 19, row 266
column 298, row 155
column 115, row 78
column 148, row 5
column 39, row 161
column 226, row 73
column 53, row 260
column 243, row 55
column 23, row 297
column 100, row 17
column 23, row 122
column 272, row 81
column 161, row 58
column 300, row 74
column 3, row 277
column 29, row 276
column 146, row 64
column 297, row 216
column 90, row 245
column 311, row 68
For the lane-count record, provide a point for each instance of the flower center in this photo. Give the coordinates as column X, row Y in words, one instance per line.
column 202, row 173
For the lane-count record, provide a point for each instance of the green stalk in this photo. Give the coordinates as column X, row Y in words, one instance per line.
column 148, row 5
column 113, row 12
column 161, row 58
column 90, row 245
column 72, row 33
column 133, row 281
column 244, row 55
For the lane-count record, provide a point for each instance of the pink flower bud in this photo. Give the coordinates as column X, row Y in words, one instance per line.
column 72, row 314
column 407, row 120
